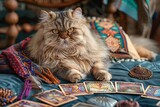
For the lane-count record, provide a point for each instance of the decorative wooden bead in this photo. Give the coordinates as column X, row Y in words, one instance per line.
column 132, row 60
column 12, row 31
column 93, row 18
column 18, row 28
column 127, row 60
column 27, row 27
column 139, row 60
column 122, row 60
column 11, row 5
column 142, row 59
column 12, row 18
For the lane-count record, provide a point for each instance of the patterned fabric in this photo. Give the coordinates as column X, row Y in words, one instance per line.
column 112, row 35
column 20, row 64
column 15, row 60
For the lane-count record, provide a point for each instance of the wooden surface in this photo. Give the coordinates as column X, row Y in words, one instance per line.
column 51, row 3
column 12, row 18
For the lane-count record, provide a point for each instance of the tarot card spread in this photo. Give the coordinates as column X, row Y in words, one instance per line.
column 129, row 87
column 74, row 89
column 26, row 103
column 55, row 97
column 100, row 86
column 152, row 92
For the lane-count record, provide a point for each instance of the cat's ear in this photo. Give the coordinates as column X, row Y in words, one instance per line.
column 47, row 16
column 77, row 13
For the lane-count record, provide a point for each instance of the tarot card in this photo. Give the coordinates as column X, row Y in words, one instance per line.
column 54, row 97
column 54, row 92
column 74, row 89
column 100, row 86
column 129, row 87
column 152, row 92
column 79, row 104
column 26, row 103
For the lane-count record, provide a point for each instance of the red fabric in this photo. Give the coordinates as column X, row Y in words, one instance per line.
column 13, row 55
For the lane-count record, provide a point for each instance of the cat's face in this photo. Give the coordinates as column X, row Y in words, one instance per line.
column 63, row 29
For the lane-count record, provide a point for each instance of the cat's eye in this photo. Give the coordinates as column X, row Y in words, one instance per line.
column 55, row 31
column 70, row 30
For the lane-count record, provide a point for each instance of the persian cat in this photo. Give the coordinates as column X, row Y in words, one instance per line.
column 65, row 44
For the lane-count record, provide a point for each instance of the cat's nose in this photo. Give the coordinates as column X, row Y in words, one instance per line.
column 63, row 35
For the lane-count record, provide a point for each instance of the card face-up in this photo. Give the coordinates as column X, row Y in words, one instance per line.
column 83, row 105
column 100, row 86
column 152, row 92
column 74, row 89
column 54, row 97
column 129, row 87
column 26, row 103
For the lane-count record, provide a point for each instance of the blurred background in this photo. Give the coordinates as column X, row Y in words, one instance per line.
column 19, row 18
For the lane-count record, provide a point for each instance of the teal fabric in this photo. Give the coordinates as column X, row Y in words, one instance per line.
column 128, row 6
column 119, row 72
column 113, row 31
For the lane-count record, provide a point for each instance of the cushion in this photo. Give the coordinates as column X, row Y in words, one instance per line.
column 114, row 37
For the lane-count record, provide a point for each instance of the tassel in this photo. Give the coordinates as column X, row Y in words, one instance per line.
column 26, row 90
column 51, row 77
column 43, row 77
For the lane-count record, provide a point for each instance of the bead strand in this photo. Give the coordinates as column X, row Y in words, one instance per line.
column 115, row 60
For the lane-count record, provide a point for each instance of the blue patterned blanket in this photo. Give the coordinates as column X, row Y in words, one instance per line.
column 119, row 72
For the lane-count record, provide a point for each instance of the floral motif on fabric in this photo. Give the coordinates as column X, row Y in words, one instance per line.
column 113, row 43
column 109, row 32
column 106, row 25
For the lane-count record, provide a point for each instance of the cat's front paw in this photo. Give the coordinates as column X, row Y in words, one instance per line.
column 75, row 77
column 103, row 75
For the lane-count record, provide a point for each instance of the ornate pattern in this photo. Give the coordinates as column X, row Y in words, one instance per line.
column 13, row 54
column 112, row 35
column 18, row 60
column 140, row 73
column 109, row 32
column 106, row 25
column 113, row 43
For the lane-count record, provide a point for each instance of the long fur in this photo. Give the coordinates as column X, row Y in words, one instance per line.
column 145, row 47
column 80, row 53
column 74, row 53
column 145, row 42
